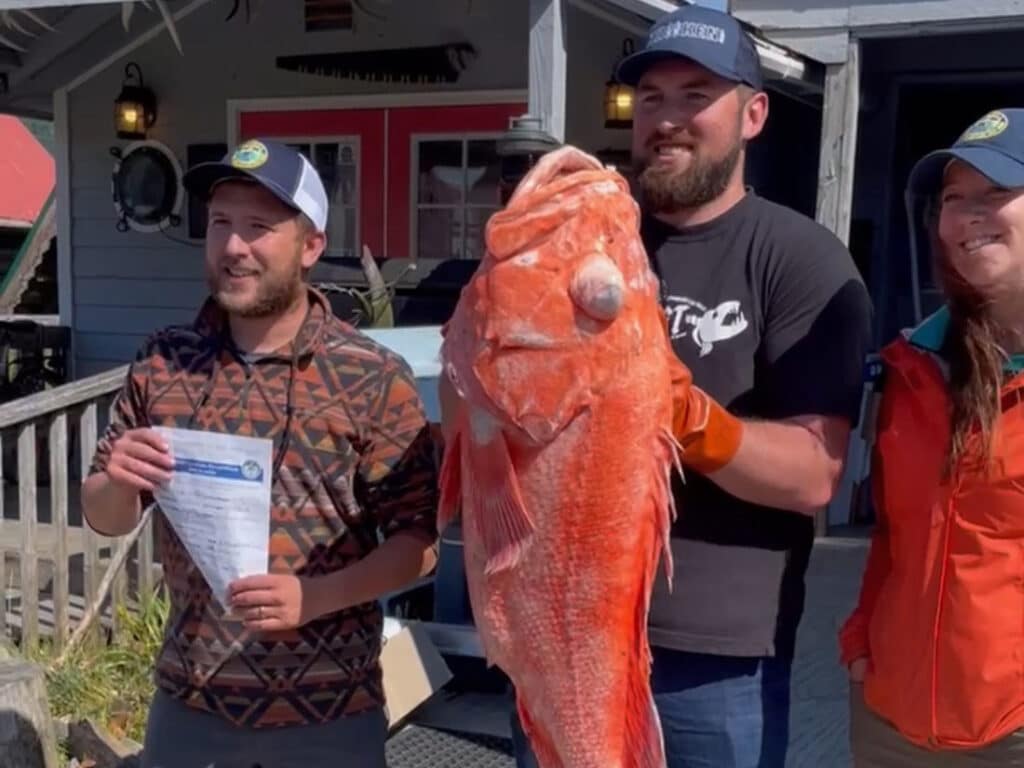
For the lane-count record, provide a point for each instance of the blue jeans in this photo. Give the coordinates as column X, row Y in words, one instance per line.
column 715, row 711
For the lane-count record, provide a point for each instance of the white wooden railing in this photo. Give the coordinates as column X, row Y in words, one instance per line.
column 54, row 569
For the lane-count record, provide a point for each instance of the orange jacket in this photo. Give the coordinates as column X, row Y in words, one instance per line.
column 941, row 610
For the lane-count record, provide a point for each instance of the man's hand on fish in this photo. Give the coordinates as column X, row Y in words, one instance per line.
column 709, row 434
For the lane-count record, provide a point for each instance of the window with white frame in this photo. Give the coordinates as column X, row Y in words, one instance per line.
column 455, row 190
column 337, row 162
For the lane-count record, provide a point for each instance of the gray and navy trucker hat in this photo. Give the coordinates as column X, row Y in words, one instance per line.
column 282, row 170
column 711, row 38
column 993, row 145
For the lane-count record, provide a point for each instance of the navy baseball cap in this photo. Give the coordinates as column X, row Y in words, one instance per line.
column 711, row 38
column 993, row 145
column 284, row 171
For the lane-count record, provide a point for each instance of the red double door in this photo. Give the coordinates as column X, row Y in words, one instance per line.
column 409, row 182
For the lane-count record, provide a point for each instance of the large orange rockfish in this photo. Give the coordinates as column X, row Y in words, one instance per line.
column 559, row 459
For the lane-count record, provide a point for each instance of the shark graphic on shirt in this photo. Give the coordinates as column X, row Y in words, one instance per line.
column 705, row 326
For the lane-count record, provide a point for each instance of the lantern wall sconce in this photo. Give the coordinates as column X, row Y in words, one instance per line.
column 135, row 107
column 618, row 97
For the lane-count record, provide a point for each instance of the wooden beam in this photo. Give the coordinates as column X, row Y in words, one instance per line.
column 160, row 27
column 838, row 150
column 548, row 65
column 73, row 30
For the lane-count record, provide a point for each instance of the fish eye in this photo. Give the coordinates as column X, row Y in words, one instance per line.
column 598, row 288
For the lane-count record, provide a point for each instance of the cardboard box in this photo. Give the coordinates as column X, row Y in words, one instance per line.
column 413, row 669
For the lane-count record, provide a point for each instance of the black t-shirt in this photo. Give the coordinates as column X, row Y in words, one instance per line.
column 768, row 311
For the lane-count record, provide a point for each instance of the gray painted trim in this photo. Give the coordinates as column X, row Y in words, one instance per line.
column 65, row 245
column 547, row 65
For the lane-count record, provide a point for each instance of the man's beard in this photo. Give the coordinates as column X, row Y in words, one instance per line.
column 667, row 190
column 275, row 293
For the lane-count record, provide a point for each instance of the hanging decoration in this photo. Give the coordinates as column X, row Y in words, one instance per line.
column 429, row 64
column 234, row 10
column 8, row 20
column 128, row 8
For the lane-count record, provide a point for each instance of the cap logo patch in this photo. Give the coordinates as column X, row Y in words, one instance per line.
column 990, row 126
column 251, row 154
column 692, row 29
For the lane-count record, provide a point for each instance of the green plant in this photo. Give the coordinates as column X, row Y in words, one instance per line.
column 375, row 301
column 110, row 681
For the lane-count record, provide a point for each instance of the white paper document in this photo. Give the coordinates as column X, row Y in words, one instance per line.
column 218, row 501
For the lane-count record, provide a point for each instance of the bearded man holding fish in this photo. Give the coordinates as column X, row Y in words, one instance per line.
column 554, row 415
column 769, row 315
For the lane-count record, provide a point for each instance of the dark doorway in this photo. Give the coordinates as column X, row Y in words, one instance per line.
column 930, row 115
column 782, row 163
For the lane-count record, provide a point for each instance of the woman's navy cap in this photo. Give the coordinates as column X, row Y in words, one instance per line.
column 711, row 38
column 993, row 146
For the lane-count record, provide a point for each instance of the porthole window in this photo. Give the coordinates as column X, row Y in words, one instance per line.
column 147, row 188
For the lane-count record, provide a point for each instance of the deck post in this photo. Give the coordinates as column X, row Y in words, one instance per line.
column 836, row 168
column 548, row 65
column 838, row 151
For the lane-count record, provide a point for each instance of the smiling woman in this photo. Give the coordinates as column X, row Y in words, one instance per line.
column 934, row 653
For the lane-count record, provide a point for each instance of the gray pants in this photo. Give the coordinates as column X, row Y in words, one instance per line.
column 180, row 737
column 876, row 744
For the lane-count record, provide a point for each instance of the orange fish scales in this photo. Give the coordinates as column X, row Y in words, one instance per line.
column 558, row 460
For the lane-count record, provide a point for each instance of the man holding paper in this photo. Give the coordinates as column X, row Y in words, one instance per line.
column 292, row 464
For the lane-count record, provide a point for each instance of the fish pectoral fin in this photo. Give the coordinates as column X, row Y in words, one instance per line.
column 450, row 482
column 668, row 452
column 502, row 520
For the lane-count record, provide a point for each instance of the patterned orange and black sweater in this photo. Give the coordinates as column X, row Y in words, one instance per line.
column 353, row 457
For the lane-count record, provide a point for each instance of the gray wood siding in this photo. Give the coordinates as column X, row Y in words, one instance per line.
column 838, row 14
column 127, row 284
